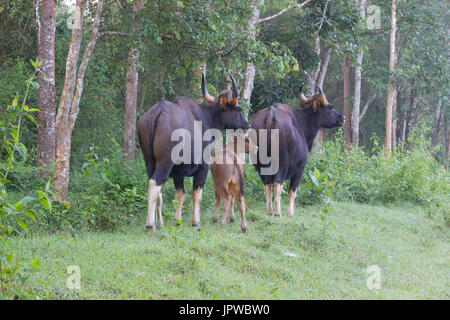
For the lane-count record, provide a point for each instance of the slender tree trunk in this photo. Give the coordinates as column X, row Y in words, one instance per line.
column 395, row 98
column 131, row 91
column 446, row 142
column 129, row 127
column 394, row 122
column 69, row 104
column 405, row 121
column 198, row 74
column 321, row 78
column 311, row 78
column 250, row 68
column 45, row 24
column 357, row 92
column 347, row 85
column 437, row 120
column 412, row 113
column 324, row 65
column 390, row 98
column 366, row 107
column 398, row 131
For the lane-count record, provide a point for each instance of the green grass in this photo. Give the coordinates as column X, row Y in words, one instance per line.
column 411, row 249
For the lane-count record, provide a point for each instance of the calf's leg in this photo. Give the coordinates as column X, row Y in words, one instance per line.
column 216, row 206
column 226, row 199
column 232, row 217
column 241, row 206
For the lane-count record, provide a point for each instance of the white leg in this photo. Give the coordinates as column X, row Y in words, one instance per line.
column 197, row 198
column 159, row 218
column 277, row 188
column 292, row 195
column 268, row 193
column 153, row 194
column 180, row 200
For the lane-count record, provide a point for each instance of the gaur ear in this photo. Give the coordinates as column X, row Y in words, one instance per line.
column 233, row 102
column 316, row 105
column 223, row 101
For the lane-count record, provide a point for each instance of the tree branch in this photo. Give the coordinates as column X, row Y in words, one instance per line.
column 297, row 5
column 112, row 33
column 366, row 106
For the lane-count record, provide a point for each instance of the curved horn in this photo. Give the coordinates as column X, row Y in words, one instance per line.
column 323, row 99
column 205, row 91
column 302, row 96
column 235, row 88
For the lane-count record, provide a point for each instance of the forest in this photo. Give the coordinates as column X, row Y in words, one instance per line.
column 76, row 75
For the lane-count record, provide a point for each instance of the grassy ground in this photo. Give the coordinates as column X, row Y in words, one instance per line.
column 279, row 258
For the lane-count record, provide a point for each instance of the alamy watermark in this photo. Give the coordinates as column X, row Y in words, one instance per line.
column 374, row 279
column 73, row 282
column 190, row 149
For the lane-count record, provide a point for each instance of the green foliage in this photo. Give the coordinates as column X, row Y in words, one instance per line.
column 15, row 214
column 372, row 177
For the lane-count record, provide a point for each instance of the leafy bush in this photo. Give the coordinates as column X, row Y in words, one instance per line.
column 411, row 175
column 15, row 214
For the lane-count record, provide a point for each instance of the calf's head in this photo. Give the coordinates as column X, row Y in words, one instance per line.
column 327, row 115
column 230, row 115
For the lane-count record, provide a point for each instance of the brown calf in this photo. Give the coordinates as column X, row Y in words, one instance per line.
column 228, row 175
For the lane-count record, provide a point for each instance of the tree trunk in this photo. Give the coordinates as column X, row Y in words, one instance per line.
column 324, row 65
column 405, row 121
column 131, row 91
column 446, row 142
column 69, row 104
column 347, row 85
column 357, row 92
column 437, row 120
column 45, row 25
column 311, row 78
column 250, row 68
column 311, row 81
column 394, row 122
column 398, row 132
column 412, row 113
column 390, row 98
column 129, row 127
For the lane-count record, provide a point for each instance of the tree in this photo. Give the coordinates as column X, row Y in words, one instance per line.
column 357, row 94
column 390, row 98
column 347, row 84
column 131, row 91
column 69, row 104
column 250, row 67
column 45, row 28
column 437, row 120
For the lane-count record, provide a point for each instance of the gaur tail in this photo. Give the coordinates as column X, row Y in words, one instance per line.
column 146, row 135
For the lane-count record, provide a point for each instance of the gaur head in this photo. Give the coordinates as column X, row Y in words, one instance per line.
column 326, row 113
column 230, row 114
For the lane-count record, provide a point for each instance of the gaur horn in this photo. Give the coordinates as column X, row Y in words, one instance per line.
column 235, row 88
column 323, row 99
column 205, row 91
column 234, row 99
column 302, row 96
